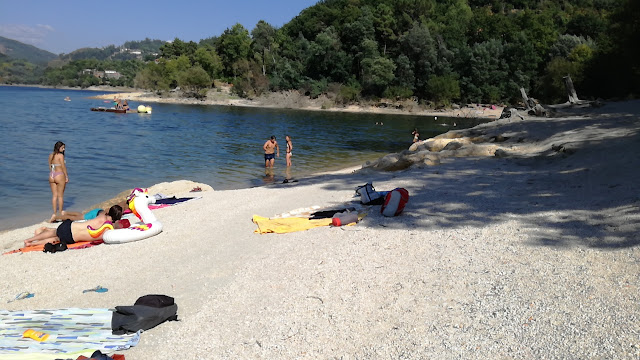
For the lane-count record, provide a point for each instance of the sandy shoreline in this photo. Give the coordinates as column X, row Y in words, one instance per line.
column 291, row 100
column 532, row 255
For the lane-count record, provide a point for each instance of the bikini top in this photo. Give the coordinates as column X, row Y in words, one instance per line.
column 53, row 166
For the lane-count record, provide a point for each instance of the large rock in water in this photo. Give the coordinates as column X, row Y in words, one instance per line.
column 439, row 143
column 456, row 143
column 390, row 162
column 404, row 160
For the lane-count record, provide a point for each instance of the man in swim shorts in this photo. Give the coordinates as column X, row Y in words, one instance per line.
column 70, row 232
column 270, row 147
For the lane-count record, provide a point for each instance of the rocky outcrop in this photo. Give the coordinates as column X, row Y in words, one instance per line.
column 457, row 143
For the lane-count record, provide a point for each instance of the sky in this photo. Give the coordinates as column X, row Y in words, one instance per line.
column 62, row 26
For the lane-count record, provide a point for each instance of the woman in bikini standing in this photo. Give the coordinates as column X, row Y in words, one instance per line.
column 289, row 149
column 58, row 178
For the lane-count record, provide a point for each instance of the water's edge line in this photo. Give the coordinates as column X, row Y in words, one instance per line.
column 342, row 171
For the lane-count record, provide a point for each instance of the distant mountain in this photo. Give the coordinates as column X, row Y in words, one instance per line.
column 16, row 50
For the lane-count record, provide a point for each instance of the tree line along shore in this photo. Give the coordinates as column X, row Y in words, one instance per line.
column 343, row 53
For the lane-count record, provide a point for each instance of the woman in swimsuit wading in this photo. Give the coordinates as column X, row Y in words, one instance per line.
column 289, row 149
column 58, row 178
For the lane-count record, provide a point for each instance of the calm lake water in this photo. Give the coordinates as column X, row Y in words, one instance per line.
column 107, row 153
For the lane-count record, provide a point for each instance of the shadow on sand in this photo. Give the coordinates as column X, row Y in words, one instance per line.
column 588, row 196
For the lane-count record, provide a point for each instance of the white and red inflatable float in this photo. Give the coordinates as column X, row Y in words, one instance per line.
column 139, row 201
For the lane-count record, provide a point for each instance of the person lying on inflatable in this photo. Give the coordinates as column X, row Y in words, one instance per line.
column 139, row 201
column 69, row 231
column 102, row 228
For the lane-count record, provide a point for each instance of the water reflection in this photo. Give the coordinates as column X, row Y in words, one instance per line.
column 269, row 176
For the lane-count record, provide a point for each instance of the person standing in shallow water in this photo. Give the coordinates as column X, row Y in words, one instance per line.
column 58, row 178
column 289, row 149
column 270, row 147
column 416, row 135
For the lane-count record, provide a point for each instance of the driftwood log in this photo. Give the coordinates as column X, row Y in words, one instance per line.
column 533, row 107
column 530, row 103
column 571, row 91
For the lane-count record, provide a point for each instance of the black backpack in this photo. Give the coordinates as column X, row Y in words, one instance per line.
column 147, row 312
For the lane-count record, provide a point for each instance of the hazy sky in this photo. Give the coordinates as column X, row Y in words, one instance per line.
column 62, row 26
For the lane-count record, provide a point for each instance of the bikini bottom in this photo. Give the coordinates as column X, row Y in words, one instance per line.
column 53, row 174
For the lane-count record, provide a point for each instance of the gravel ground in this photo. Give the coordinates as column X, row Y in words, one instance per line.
column 532, row 256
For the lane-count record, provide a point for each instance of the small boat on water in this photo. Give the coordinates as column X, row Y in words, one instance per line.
column 119, row 111
column 141, row 109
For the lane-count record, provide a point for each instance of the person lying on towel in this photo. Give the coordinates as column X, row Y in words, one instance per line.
column 75, row 216
column 70, row 232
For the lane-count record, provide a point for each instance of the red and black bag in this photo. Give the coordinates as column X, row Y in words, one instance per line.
column 394, row 202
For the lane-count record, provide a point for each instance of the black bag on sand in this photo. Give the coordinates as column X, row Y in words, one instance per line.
column 49, row 247
column 147, row 312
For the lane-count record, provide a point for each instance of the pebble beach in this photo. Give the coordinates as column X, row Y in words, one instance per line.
column 532, row 254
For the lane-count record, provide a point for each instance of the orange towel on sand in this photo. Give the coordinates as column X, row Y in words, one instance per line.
column 78, row 245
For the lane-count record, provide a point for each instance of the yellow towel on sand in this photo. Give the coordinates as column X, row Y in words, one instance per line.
column 291, row 224
column 287, row 225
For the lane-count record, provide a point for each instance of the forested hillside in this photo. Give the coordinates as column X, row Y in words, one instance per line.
column 436, row 51
column 68, row 69
column 19, row 51
column 146, row 49
column 127, row 60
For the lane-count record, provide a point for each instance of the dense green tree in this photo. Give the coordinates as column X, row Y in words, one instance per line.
column 262, row 43
column 404, row 79
column 420, row 48
column 349, row 92
column 178, row 48
column 443, row 89
column 451, row 20
column 566, row 43
column 233, row 46
column 556, row 70
column 291, row 61
column 587, row 24
column 523, row 63
column 207, row 58
column 378, row 74
column 540, row 29
column 326, row 59
column 210, row 41
column 384, row 22
column 615, row 69
column 485, row 72
column 146, row 46
column 152, row 77
column 171, row 69
column 360, row 29
column 193, row 80
column 288, row 75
